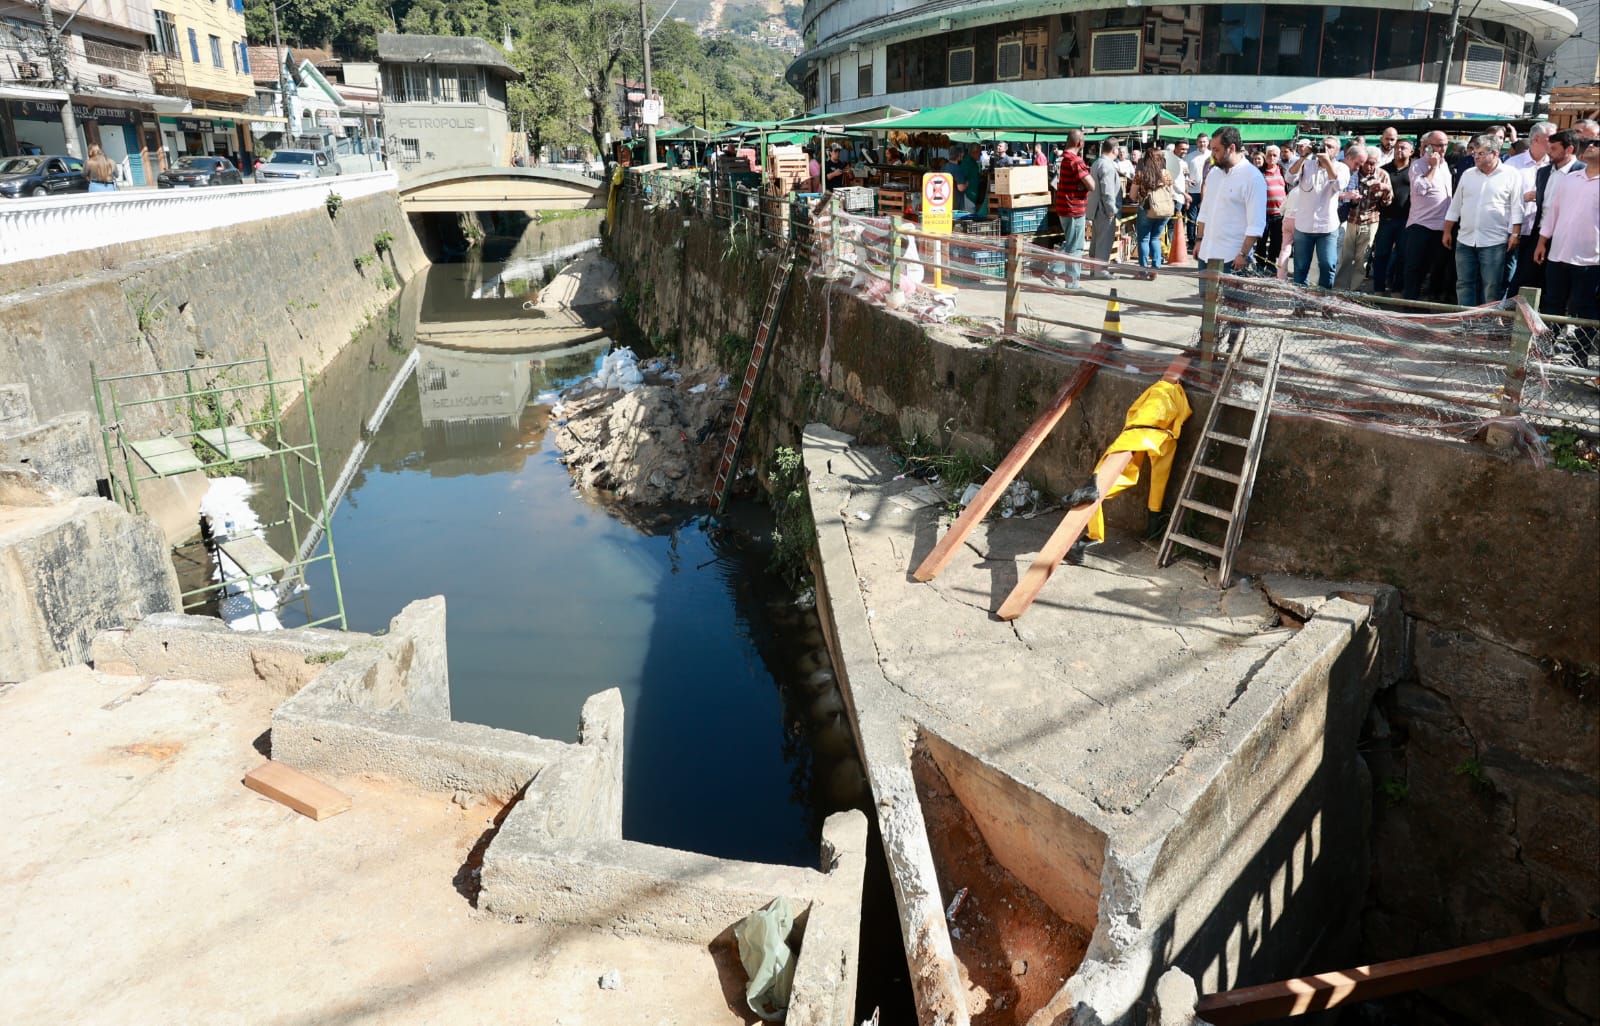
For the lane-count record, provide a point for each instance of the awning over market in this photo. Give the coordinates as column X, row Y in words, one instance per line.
column 1247, row 133
column 990, row 111
column 1115, row 115
column 685, row 133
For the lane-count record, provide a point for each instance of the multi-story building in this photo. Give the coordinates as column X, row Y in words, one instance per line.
column 1301, row 62
column 444, row 102
column 102, row 67
column 201, row 55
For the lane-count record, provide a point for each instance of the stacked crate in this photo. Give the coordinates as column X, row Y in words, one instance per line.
column 988, row 262
column 787, row 170
column 892, row 202
column 856, row 199
column 1021, row 196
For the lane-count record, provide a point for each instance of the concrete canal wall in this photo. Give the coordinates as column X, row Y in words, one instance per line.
column 299, row 279
column 1483, row 759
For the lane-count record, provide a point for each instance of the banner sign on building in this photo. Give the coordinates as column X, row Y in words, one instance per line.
column 1214, row 110
column 48, row 110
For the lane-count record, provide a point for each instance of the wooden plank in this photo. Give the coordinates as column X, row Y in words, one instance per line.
column 234, row 443
column 1012, row 465
column 1062, row 539
column 303, row 794
column 253, row 556
column 1307, row 994
column 167, row 456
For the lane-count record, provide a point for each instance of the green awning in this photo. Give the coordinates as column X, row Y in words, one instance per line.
column 1114, row 115
column 990, row 111
column 1247, row 133
column 684, row 133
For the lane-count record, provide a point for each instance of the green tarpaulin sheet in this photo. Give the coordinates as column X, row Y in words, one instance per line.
column 1114, row 115
column 1249, row 133
column 991, row 111
column 686, row 133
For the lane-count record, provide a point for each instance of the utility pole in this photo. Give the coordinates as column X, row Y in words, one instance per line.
column 1449, row 54
column 57, row 51
column 649, row 129
column 277, row 58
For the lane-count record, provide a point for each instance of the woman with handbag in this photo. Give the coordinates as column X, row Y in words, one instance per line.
column 1152, row 190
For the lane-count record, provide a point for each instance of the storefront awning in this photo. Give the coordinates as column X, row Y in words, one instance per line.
column 233, row 115
column 20, row 92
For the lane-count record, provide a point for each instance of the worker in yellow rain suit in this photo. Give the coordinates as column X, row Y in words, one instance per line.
column 1150, row 432
column 611, row 198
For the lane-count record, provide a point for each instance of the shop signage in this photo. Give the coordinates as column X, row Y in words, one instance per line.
column 1212, row 110
column 937, row 191
column 47, row 110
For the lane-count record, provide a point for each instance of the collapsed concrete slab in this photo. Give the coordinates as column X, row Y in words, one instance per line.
column 1169, row 768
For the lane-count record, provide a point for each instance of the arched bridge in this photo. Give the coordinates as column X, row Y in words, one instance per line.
column 500, row 188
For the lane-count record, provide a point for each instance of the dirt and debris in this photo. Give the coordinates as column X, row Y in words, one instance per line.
column 655, row 444
column 1014, row 952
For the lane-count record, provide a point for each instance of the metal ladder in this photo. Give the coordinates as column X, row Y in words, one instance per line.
column 1214, row 443
column 752, row 375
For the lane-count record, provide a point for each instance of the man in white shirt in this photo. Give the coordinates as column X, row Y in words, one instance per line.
column 1233, row 213
column 1318, row 178
column 1386, row 144
column 1562, row 157
column 1527, row 164
column 1483, row 224
column 1195, row 165
column 1569, row 246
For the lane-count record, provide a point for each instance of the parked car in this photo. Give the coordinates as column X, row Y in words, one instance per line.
column 191, row 172
column 292, row 165
column 42, row 175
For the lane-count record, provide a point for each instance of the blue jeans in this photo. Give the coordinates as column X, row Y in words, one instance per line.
column 1386, row 256
column 1147, row 230
column 1072, row 246
column 1480, row 274
column 102, row 186
column 1326, row 246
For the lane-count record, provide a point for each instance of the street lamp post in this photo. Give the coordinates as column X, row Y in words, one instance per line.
column 649, row 127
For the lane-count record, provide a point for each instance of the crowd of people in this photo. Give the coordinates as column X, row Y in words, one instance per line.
column 1470, row 222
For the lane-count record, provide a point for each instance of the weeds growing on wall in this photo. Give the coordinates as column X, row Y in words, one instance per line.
column 148, row 309
column 383, row 242
column 953, row 471
column 333, row 203
column 794, row 534
column 389, row 280
column 364, row 261
column 733, row 352
column 211, row 410
column 1571, row 451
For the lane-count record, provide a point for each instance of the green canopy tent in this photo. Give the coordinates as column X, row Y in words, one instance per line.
column 1113, row 116
column 989, row 111
column 685, row 133
column 1249, row 133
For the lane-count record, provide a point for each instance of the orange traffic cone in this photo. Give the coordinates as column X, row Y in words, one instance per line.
column 1178, row 252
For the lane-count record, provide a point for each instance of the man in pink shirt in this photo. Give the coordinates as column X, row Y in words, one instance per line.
column 1569, row 247
column 1426, row 257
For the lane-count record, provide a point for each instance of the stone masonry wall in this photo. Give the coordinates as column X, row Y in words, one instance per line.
column 1493, row 745
column 292, row 283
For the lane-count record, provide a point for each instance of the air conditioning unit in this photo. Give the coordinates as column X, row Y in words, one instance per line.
column 27, row 69
column 109, row 81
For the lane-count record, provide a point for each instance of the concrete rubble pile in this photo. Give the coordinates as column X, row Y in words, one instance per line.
column 653, row 444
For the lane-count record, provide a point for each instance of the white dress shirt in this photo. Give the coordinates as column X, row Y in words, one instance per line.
column 1317, row 206
column 1572, row 219
column 1527, row 167
column 1234, row 207
column 1196, row 162
column 1486, row 208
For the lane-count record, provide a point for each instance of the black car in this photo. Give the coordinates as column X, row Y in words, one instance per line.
column 42, row 175
column 195, row 171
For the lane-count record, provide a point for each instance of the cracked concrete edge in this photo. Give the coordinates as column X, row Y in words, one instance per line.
column 1136, row 892
column 180, row 646
column 882, row 735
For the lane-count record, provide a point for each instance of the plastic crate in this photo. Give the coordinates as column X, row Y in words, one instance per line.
column 857, row 199
column 966, row 224
column 979, row 257
column 1026, row 219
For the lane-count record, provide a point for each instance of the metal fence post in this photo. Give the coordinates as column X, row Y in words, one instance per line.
column 833, row 230
column 1013, row 281
column 1210, row 285
column 894, row 253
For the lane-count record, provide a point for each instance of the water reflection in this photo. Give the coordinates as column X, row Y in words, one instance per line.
column 551, row 597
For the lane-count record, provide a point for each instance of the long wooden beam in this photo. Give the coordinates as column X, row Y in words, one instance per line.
column 1061, row 540
column 1307, row 994
column 1012, row 465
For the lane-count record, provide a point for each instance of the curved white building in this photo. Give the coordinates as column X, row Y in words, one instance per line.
column 1368, row 61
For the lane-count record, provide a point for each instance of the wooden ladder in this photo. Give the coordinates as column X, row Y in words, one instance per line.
column 729, row 460
column 1205, row 464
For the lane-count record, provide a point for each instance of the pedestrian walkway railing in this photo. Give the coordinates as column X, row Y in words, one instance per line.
column 1499, row 375
column 32, row 229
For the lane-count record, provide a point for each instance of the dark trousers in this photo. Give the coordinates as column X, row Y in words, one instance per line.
column 1270, row 245
column 1428, row 261
column 1573, row 291
column 1528, row 274
column 1388, row 256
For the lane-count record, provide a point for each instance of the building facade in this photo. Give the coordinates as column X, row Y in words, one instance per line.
column 200, row 54
column 1298, row 62
column 444, row 103
column 104, row 72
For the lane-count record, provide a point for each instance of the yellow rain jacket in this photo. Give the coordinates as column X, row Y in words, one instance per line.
column 1150, row 431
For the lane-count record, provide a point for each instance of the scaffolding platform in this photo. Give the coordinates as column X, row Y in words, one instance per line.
column 215, row 419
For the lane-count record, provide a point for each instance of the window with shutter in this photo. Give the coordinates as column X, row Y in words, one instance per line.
column 864, row 79
column 1115, row 52
column 1483, row 65
column 194, row 47
column 960, row 66
column 1008, row 61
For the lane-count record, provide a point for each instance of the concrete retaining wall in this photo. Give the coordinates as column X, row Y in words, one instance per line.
column 291, row 282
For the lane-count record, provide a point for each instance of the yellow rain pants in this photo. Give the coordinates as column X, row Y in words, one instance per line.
column 1150, row 432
